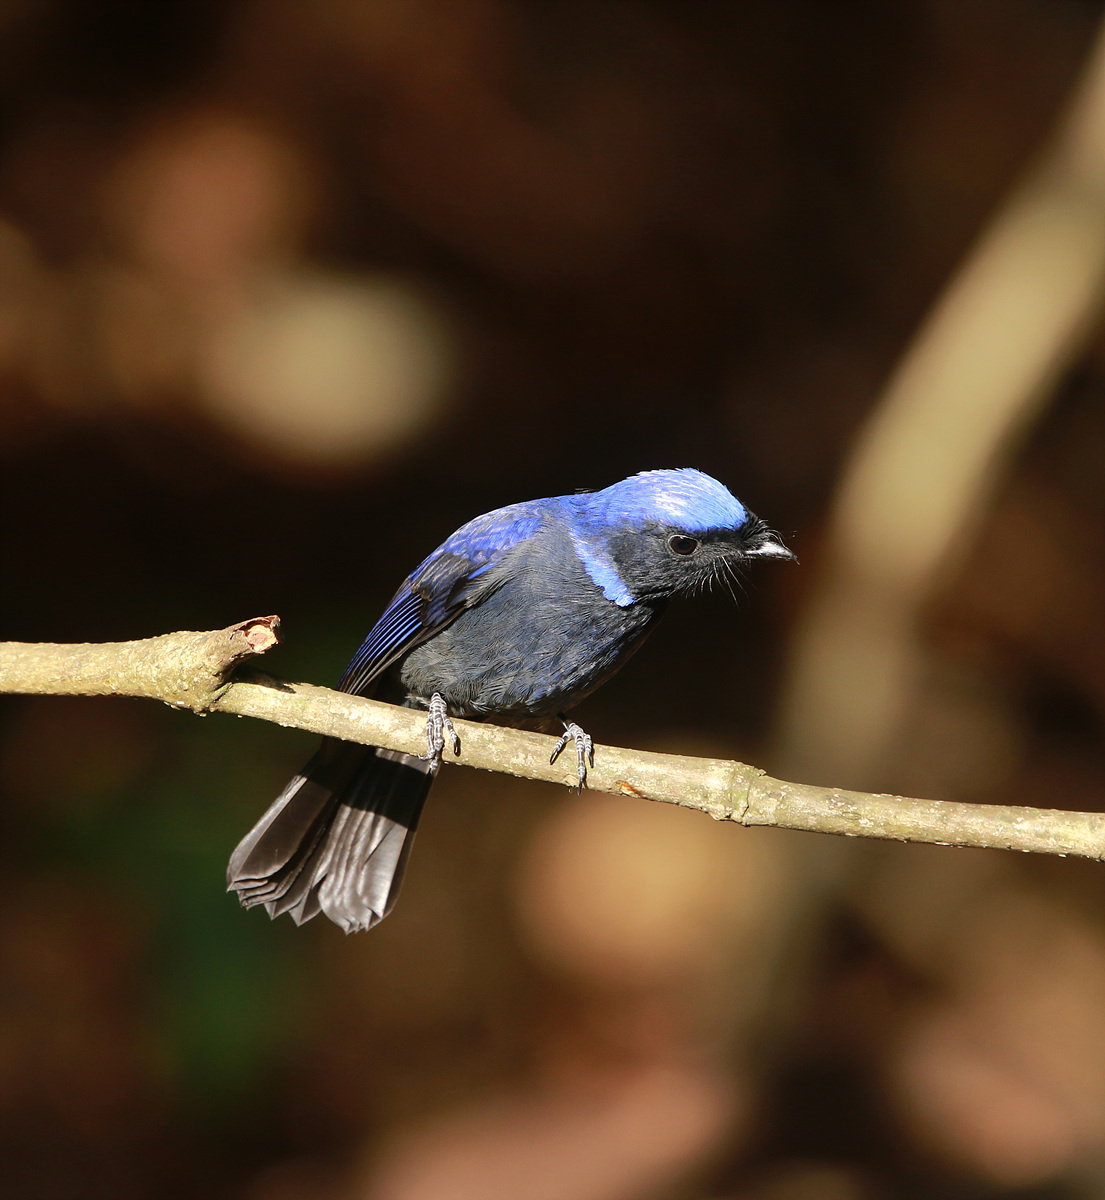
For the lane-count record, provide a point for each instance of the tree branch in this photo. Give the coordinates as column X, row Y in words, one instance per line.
column 192, row 670
column 186, row 670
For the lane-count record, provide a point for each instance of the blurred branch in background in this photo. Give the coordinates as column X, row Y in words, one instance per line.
column 925, row 467
column 880, row 695
column 191, row 670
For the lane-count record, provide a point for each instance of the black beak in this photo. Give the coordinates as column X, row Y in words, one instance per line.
column 766, row 543
column 772, row 549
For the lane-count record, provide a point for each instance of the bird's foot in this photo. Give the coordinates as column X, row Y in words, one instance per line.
column 585, row 749
column 437, row 726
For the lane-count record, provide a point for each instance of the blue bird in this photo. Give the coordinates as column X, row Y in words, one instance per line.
column 515, row 618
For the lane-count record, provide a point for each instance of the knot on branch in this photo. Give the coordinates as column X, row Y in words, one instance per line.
column 191, row 670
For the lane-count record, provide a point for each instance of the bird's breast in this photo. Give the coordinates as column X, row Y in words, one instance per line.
column 535, row 647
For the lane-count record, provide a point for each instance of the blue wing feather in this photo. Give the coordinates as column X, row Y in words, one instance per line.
column 456, row 576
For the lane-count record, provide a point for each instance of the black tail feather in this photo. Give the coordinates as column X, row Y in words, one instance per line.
column 336, row 840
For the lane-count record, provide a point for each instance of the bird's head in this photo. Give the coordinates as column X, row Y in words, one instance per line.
column 666, row 532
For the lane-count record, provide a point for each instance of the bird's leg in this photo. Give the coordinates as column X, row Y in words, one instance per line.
column 585, row 748
column 437, row 726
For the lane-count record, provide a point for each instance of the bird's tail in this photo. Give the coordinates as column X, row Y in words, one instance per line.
column 336, row 839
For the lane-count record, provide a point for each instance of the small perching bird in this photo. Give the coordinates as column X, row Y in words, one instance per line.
column 515, row 618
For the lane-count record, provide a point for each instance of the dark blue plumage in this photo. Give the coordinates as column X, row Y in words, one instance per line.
column 515, row 618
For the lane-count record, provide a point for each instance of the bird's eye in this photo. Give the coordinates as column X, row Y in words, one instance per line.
column 683, row 545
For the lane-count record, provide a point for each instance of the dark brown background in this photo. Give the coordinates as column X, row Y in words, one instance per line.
column 487, row 250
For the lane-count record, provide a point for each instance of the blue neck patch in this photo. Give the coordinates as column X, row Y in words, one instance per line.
column 600, row 566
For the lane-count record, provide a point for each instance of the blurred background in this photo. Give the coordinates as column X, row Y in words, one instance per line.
column 289, row 289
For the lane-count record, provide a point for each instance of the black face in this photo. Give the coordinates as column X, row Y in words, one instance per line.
column 662, row 560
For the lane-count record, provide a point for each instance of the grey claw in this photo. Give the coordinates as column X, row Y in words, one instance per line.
column 437, row 726
column 585, row 749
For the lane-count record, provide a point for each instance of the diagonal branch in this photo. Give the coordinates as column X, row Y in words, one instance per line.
column 193, row 670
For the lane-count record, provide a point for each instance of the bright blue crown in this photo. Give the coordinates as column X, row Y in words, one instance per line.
column 686, row 498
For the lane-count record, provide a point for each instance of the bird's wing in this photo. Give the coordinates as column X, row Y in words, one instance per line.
column 458, row 575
